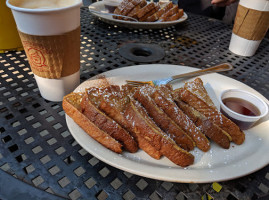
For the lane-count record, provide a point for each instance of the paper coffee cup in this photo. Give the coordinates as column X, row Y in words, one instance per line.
column 9, row 37
column 50, row 34
column 250, row 27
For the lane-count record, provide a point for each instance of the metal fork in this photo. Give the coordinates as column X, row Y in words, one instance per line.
column 217, row 68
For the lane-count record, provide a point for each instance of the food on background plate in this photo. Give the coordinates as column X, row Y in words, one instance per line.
column 158, row 120
column 148, row 12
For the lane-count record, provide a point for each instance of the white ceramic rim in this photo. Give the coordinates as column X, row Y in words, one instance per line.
column 43, row 10
column 244, row 117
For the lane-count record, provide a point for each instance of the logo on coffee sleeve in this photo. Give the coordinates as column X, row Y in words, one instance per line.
column 36, row 56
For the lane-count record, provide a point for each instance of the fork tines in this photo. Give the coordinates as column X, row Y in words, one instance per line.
column 138, row 83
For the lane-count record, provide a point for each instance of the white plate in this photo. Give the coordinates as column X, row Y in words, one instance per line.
column 216, row 165
column 100, row 7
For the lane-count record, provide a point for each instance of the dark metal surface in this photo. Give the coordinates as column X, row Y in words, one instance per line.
column 37, row 148
column 11, row 188
column 142, row 53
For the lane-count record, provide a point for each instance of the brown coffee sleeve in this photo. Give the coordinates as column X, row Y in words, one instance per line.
column 53, row 56
column 251, row 24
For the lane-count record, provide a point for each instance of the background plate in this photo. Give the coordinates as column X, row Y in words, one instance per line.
column 216, row 165
column 99, row 6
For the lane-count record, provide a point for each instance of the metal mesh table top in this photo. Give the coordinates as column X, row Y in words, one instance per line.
column 38, row 150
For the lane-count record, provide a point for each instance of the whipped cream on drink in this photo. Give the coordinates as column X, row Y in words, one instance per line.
column 43, row 4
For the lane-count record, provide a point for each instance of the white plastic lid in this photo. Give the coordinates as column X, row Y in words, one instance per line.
column 42, row 21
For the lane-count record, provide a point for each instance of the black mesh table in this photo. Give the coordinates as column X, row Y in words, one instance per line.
column 39, row 158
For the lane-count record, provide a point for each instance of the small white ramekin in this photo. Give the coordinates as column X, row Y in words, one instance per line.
column 243, row 121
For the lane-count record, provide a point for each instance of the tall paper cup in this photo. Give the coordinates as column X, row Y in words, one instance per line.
column 50, row 34
column 250, row 27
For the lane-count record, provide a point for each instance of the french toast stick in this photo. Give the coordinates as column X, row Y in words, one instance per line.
column 136, row 119
column 134, row 11
column 119, row 9
column 105, row 123
column 164, row 99
column 211, row 130
column 197, row 88
column 143, row 95
column 169, row 13
column 114, row 104
column 129, row 7
column 152, row 133
column 151, row 12
column 160, row 12
column 146, row 9
column 71, row 106
column 155, row 16
column 213, row 114
column 175, row 16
